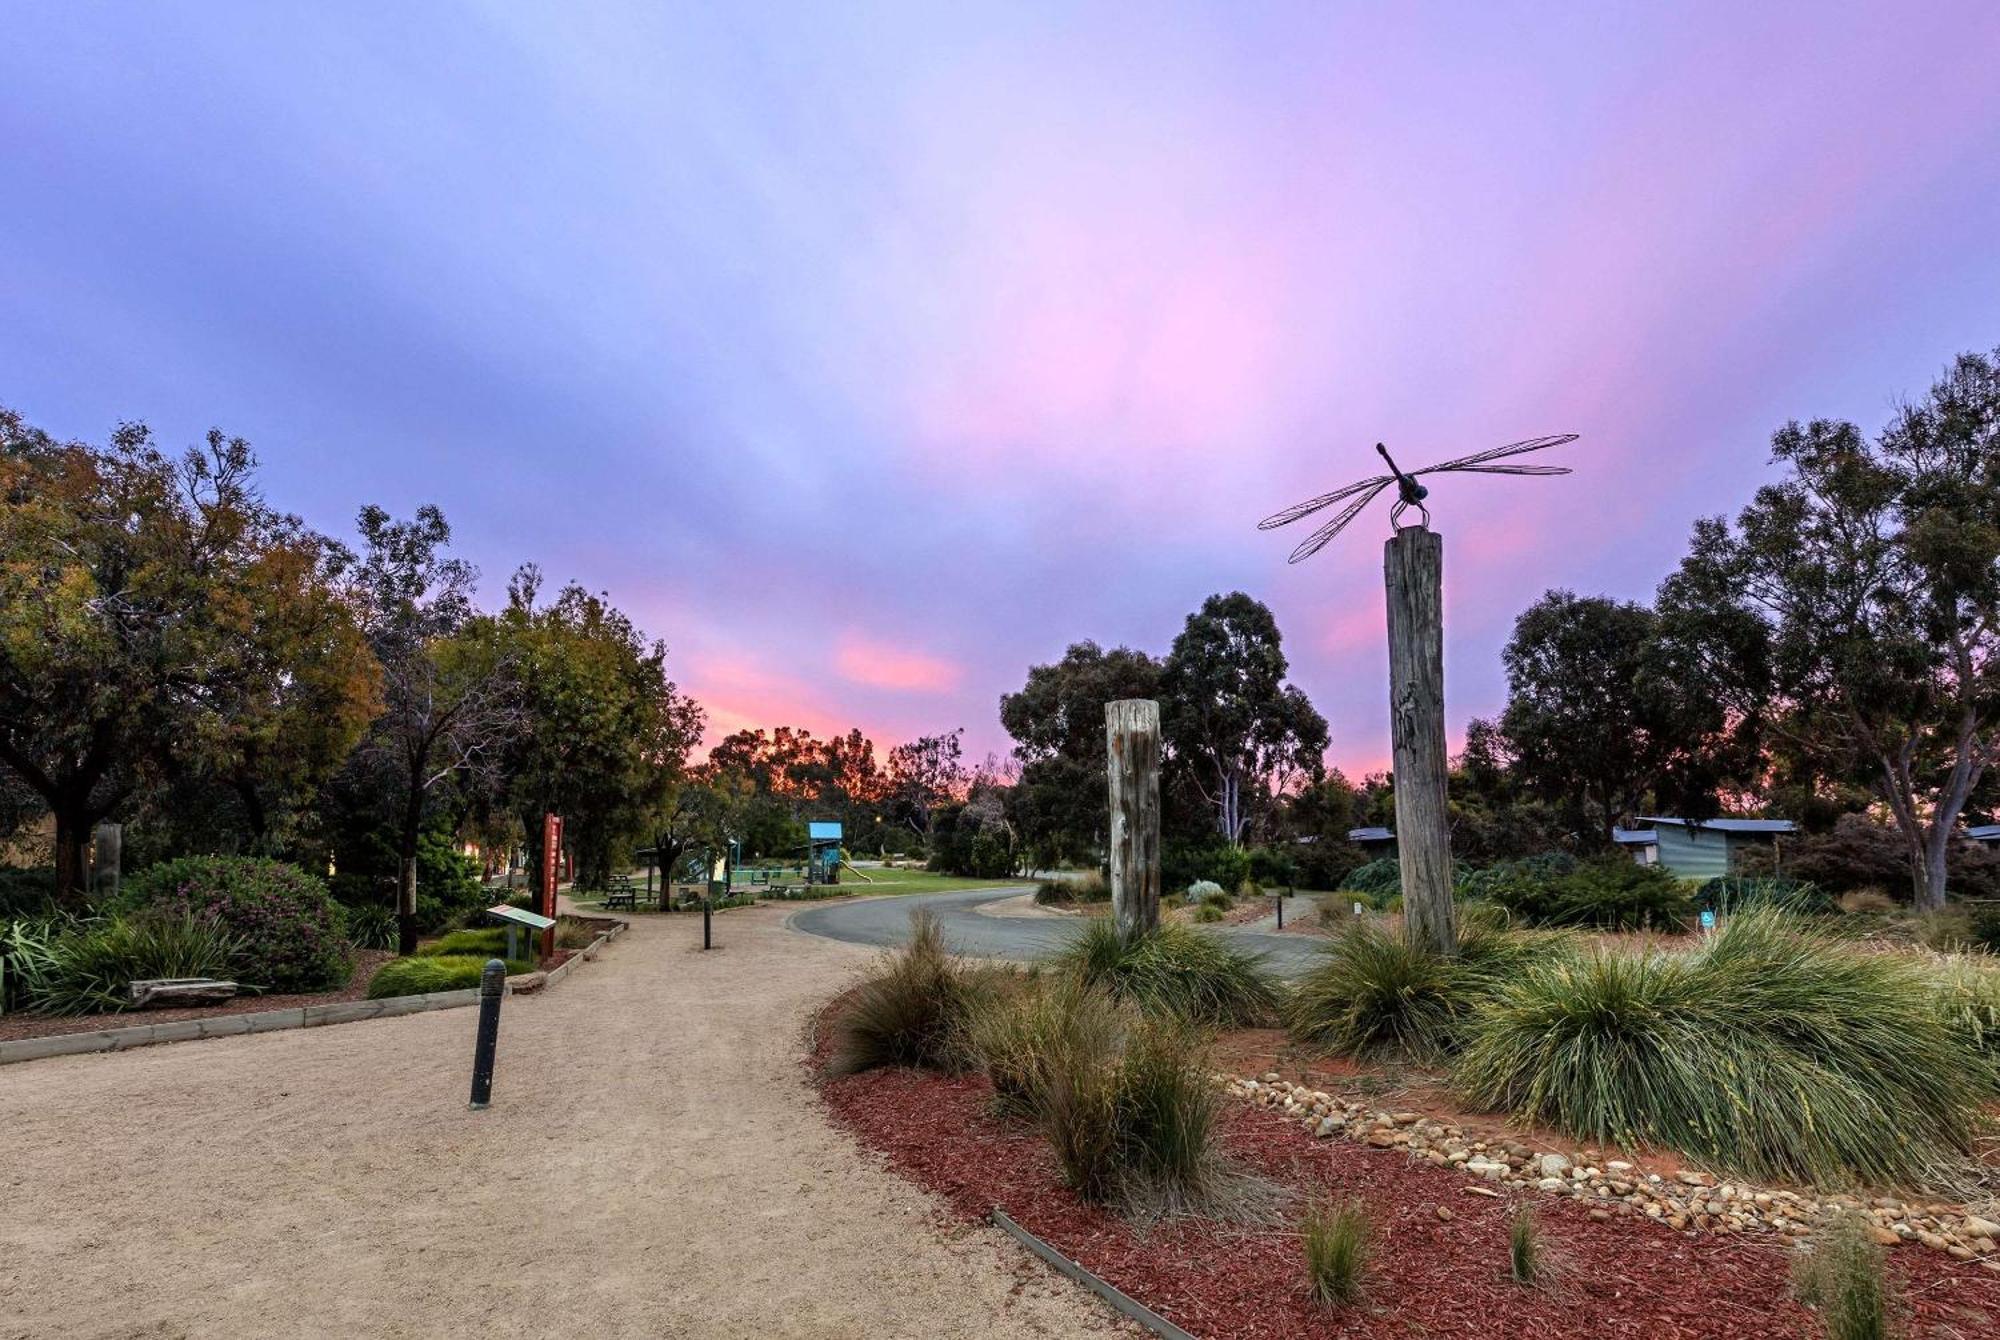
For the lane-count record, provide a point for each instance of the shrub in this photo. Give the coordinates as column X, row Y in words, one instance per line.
column 27, row 947
column 484, row 943
column 1524, row 880
column 1840, row 1274
column 421, row 974
column 1983, row 926
column 1272, row 866
column 915, row 1009
column 1727, row 895
column 576, row 932
column 290, row 934
column 1860, row 853
column 88, row 968
column 26, row 893
column 1174, row 970
column 1377, row 879
column 1089, row 887
column 1373, row 994
column 371, row 926
column 1338, row 1243
column 1202, row 890
column 1209, row 912
column 1611, row 893
column 1772, row 1051
column 1868, row 902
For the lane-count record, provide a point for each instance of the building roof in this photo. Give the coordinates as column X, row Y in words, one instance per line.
column 822, row 832
column 1370, row 835
column 1726, row 825
column 1983, row 832
column 1635, row 837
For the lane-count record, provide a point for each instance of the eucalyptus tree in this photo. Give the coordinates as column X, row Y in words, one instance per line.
column 1235, row 731
column 1854, row 605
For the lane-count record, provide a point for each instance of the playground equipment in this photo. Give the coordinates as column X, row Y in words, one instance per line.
column 823, row 855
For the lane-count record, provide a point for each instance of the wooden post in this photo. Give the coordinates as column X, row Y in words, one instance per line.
column 1132, row 739
column 1413, row 570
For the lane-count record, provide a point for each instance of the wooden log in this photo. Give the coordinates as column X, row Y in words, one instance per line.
column 1132, row 741
column 181, row 991
column 1413, row 571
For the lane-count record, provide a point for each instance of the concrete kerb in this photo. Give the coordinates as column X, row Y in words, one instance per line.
column 270, row 1021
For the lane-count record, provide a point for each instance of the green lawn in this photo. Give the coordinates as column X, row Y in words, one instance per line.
column 904, row 880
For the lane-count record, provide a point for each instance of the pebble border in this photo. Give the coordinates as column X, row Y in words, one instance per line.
column 274, row 1021
column 1689, row 1201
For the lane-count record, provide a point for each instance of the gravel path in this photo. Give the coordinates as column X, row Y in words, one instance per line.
column 654, row 1165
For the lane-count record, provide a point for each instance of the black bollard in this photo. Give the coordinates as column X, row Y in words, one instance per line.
column 706, row 904
column 1281, row 911
column 492, row 986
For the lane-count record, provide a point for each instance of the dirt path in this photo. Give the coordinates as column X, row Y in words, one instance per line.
column 653, row 1165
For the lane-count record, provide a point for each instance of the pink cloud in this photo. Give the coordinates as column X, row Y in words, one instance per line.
column 861, row 660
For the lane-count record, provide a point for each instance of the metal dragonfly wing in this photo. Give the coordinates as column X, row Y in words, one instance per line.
column 1410, row 493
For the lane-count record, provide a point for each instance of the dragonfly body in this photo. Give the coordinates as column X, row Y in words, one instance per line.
column 1409, row 491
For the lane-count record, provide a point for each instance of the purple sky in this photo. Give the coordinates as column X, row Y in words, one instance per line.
column 870, row 359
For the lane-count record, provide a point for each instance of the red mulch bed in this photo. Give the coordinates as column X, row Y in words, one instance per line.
column 1625, row 1277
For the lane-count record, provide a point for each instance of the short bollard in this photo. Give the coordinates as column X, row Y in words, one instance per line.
column 706, row 904
column 492, row 986
column 1281, row 911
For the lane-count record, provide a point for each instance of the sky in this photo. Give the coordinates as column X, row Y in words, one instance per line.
column 870, row 354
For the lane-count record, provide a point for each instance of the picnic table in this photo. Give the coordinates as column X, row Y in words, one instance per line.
column 618, row 892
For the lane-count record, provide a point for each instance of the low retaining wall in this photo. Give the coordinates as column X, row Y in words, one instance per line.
column 272, row 1021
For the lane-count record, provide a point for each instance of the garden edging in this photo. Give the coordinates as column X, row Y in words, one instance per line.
column 271, row 1021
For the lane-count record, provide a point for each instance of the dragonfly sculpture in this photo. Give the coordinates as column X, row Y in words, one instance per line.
column 1409, row 493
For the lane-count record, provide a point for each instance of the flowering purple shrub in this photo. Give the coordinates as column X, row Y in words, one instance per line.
column 291, row 931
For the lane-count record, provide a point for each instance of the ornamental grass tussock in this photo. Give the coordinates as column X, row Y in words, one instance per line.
column 1774, row 1051
column 1174, row 970
column 913, row 1009
column 1842, row 1275
column 1338, row 1242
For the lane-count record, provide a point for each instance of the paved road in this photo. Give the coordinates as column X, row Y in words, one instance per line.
column 886, row 921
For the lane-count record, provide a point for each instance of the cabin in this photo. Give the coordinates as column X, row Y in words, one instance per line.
column 1643, row 843
column 1378, row 843
column 1707, row 848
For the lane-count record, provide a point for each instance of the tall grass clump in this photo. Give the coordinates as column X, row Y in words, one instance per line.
column 1338, row 1241
column 1968, row 1001
column 88, row 968
column 913, row 1010
column 1174, row 970
column 1373, row 994
column 1127, row 1103
column 1524, row 1246
column 1773, row 1051
column 1024, row 1039
column 1840, row 1274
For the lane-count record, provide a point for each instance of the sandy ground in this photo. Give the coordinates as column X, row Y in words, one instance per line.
column 653, row 1165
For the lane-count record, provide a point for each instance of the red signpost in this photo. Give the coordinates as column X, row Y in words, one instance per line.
column 552, row 827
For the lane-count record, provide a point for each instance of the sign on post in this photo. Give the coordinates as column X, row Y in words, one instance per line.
column 552, row 828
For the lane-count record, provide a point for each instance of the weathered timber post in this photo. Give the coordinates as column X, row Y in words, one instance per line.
column 1132, row 739
column 1413, row 570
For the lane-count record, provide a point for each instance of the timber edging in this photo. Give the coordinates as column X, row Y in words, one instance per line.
column 268, row 1021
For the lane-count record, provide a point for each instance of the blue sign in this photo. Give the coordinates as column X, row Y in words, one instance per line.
column 1708, row 918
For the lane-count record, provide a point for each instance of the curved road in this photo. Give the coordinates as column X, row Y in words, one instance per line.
column 886, row 921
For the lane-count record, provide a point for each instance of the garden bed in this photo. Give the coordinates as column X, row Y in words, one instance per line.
column 1441, row 1256
column 14, row 1027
